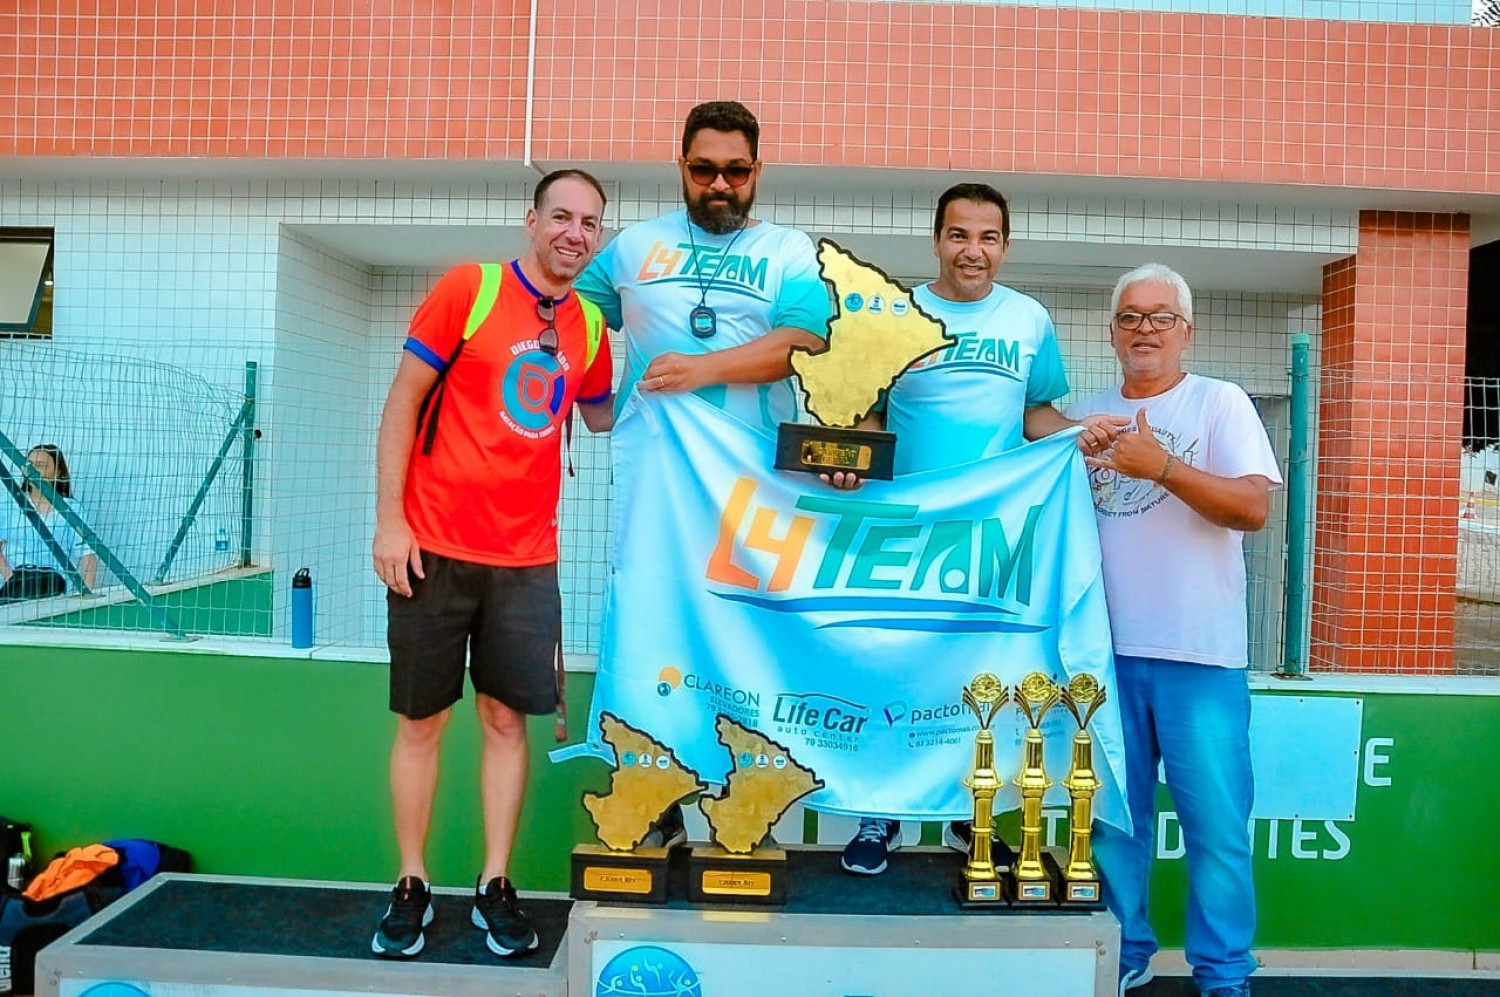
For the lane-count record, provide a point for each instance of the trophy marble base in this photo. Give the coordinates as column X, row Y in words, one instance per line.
column 638, row 876
column 870, row 453
column 719, row 876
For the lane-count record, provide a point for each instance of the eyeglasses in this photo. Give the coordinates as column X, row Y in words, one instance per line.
column 546, row 310
column 1160, row 321
column 704, row 174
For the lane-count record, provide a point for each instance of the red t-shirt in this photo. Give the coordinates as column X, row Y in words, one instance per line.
column 488, row 491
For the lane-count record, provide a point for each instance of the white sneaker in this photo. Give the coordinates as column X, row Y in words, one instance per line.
column 1132, row 978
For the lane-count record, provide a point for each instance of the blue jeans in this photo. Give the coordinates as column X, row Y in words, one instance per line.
column 1196, row 720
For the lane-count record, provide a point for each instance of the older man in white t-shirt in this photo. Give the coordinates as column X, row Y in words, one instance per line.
column 1174, row 499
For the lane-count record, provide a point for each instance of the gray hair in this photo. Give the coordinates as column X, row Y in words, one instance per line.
column 1156, row 273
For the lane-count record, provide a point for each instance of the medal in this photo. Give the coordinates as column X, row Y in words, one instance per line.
column 703, row 322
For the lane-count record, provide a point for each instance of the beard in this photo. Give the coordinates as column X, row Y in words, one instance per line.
column 720, row 217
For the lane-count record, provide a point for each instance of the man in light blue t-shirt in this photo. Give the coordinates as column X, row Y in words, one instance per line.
column 989, row 393
column 709, row 299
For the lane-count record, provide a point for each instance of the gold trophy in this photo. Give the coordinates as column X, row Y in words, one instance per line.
column 1082, row 696
column 877, row 331
column 742, row 864
column 982, row 885
column 1035, row 873
column 647, row 780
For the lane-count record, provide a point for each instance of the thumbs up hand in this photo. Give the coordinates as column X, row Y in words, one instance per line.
column 1136, row 454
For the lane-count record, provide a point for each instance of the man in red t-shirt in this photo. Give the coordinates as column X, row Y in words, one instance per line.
column 468, row 476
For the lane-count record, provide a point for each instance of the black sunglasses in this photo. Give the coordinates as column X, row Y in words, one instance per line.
column 704, row 174
column 546, row 310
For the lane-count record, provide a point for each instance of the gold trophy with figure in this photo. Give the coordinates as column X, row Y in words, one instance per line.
column 982, row 884
column 1082, row 696
column 1035, row 874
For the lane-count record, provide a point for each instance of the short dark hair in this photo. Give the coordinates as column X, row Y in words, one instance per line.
column 981, row 193
column 722, row 116
column 551, row 178
column 64, row 483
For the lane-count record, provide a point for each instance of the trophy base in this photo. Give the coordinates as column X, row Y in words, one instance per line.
column 1081, row 893
column 979, row 894
column 869, row 453
column 1045, row 892
column 638, row 876
column 719, row 876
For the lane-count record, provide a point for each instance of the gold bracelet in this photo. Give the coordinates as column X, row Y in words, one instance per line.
column 1166, row 469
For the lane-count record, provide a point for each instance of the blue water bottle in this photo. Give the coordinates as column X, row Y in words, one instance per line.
column 302, row 609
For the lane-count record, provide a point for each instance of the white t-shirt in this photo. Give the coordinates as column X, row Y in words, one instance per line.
column 1174, row 581
column 24, row 547
column 652, row 275
column 968, row 401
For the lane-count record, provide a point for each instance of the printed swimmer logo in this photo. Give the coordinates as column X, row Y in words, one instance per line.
column 532, row 391
column 648, row 971
column 976, row 574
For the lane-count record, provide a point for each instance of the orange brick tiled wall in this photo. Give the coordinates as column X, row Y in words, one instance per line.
column 1389, row 447
column 263, row 79
column 915, row 85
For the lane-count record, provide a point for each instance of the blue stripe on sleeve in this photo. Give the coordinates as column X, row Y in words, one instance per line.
column 596, row 399
column 424, row 353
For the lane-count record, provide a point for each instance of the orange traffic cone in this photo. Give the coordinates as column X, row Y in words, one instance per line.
column 1468, row 512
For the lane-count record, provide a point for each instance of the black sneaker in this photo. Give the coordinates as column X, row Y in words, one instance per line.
column 667, row 832
column 959, row 835
column 866, row 853
column 400, row 933
column 507, row 928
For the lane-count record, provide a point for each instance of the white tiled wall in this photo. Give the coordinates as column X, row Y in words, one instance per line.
column 319, row 445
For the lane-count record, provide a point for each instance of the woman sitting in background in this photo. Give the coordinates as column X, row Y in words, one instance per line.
column 28, row 569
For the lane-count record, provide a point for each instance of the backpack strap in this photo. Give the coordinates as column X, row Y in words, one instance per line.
column 593, row 324
column 490, row 277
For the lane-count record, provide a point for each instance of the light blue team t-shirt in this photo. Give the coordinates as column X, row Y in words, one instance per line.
column 967, row 401
column 650, row 277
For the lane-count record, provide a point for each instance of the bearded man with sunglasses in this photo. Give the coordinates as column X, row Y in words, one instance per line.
column 710, row 299
column 466, row 533
column 1173, row 500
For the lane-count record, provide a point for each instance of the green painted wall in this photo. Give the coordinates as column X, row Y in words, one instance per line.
column 277, row 767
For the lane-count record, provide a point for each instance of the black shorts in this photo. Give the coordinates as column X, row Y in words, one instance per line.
column 506, row 622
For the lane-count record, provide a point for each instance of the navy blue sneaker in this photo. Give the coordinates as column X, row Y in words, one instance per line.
column 959, row 835
column 1233, row 990
column 866, row 853
column 668, row 832
column 400, row 933
column 507, row 929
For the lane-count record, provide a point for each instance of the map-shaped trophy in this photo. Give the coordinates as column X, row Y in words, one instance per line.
column 647, row 780
column 742, row 866
column 876, row 333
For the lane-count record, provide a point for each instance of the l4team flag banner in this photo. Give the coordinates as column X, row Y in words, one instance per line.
column 844, row 626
